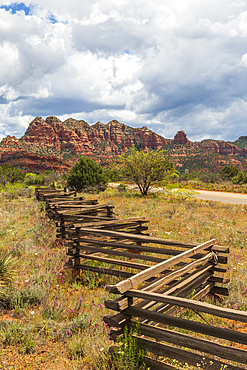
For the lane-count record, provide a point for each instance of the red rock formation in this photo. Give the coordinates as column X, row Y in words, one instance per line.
column 220, row 147
column 180, row 138
column 53, row 144
column 70, row 139
column 10, row 141
column 29, row 162
column 81, row 137
column 243, row 152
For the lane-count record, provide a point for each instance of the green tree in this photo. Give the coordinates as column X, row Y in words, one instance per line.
column 86, row 173
column 144, row 167
column 229, row 171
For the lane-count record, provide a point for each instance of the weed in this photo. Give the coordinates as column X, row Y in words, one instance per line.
column 28, row 296
column 130, row 355
column 13, row 332
column 75, row 346
column 29, row 344
column 54, row 311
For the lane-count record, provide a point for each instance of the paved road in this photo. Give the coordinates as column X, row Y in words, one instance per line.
column 217, row 196
column 223, row 197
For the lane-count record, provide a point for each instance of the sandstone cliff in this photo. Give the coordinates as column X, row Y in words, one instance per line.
column 56, row 145
column 82, row 138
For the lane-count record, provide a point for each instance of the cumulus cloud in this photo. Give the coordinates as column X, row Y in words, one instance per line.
column 168, row 65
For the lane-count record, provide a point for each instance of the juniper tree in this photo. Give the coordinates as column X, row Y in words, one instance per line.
column 85, row 173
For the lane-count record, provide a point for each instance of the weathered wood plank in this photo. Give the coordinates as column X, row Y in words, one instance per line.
column 114, row 252
column 188, row 341
column 100, row 270
column 182, row 355
column 190, row 304
column 112, row 261
column 93, row 207
column 226, row 334
column 143, row 275
column 181, row 288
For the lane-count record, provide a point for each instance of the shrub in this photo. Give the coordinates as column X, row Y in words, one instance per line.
column 33, row 179
column 241, row 178
column 229, row 172
column 131, row 354
column 10, row 174
column 86, row 173
column 75, row 346
column 113, row 174
column 13, row 191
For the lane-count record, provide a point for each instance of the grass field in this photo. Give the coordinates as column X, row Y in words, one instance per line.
column 50, row 321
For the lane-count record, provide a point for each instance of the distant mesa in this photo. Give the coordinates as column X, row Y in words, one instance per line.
column 56, row 145
column 180, row 138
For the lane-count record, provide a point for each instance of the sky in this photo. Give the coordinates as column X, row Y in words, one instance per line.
column 168, row 65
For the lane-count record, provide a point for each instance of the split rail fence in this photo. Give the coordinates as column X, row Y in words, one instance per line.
column 164, row 283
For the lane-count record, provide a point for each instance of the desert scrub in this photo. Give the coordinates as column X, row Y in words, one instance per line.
column 13, row 191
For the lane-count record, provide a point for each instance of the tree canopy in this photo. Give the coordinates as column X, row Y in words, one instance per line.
column 229, row 171
column 85, row 173
column 144, row 167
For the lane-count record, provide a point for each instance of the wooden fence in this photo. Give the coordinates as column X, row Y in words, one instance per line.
column 44, row 193
column 157, row 300
column 164, row 283
column 67, row 209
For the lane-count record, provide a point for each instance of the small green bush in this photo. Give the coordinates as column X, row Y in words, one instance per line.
column 10, row 174
column 241, row 178
column 229, row 172
column 86, row 173
column 33, row 179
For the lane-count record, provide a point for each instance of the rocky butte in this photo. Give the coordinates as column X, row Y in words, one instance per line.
column 56, row 145
column 180, row 138
column 82, row 138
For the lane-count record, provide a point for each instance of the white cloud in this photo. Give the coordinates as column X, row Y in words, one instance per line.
column 165, row 64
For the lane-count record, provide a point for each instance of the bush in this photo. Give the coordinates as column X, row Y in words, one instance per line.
column 86, row 173
column 10, row 174
column 112, row 174
column 229, row 172
column 33, row 179
column 14, row 191
column 7, row 269
column 241, row 178
column 130, row 355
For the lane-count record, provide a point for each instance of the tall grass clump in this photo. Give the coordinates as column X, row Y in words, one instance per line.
column 7, row 269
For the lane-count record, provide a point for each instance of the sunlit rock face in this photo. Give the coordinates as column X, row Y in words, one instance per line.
column 180, row 138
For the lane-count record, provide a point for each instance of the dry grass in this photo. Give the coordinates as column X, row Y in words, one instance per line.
column 46, row 312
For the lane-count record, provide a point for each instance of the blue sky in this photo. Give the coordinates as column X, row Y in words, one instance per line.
column 16, row 7
column 168, row 65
